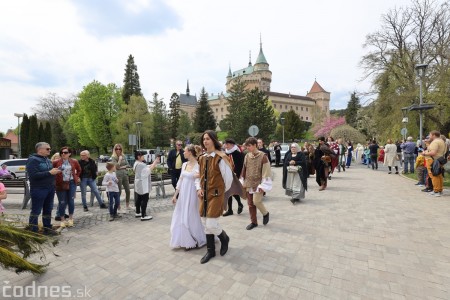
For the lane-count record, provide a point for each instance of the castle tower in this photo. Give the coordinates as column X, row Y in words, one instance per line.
column 322, row 99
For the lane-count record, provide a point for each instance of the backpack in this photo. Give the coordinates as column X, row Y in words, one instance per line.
column 436, row 167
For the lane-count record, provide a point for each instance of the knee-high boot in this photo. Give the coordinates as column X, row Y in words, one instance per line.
column 211, row 249
column 224, row 240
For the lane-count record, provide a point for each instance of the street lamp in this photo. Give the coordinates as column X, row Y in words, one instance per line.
column 420, row 70
column 282, row 123
column 19, row 115
column 404, row 121
column 139, row 124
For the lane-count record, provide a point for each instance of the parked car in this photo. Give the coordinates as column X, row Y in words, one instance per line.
column 284, row 149
column 104, row 158
column 130, row 159
column 17, row 167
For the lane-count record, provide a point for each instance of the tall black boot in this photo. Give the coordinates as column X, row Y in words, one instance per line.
column 211, row 249
column 224, row 240
column 229, row 212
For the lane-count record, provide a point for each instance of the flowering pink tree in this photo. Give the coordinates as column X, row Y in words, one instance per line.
column 328, row 124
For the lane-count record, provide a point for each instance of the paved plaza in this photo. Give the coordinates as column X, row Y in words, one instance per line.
column 370, row 235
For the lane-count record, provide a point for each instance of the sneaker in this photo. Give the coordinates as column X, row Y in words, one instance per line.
column 62, row 225
column 138, row 215
column 433, row 193
column 146, row 218
column 103, row 206
column 439, row 194
column 111, row 218
column 421, row 185
column 70, row 223
column 85, row 208
column 418, row 184
column 427, row 190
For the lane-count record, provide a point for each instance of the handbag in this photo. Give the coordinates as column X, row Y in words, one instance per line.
column 293, row 169
column 326, row 158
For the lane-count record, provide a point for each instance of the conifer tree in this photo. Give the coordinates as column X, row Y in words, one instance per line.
column 33, row 134
column 258, row 111
column 47, row 132
column 41, row 132
column 159, row 133
column 174, row 115
column 294, row 128
column 131, row 85
column 235, row 120
column 24, row 133
column 351, row 112
column 204, row 116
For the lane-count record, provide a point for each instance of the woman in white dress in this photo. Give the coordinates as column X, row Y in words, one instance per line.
column 390, row 156
column 187, row 229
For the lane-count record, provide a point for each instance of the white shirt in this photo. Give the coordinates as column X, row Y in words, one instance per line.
column 143, row 179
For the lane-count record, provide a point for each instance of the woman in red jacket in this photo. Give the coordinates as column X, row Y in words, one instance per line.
column 66, row 184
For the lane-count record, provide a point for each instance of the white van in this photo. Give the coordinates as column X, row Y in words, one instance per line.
column 16, row 167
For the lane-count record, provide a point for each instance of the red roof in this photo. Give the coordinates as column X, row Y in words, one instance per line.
column 10, row 135
column 316, row 88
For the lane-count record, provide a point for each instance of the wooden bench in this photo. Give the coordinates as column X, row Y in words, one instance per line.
column 18, row 186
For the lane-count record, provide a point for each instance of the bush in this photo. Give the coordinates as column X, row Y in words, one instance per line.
column 348, row 133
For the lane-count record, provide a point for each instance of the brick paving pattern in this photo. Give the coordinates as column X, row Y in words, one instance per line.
column 370, row 235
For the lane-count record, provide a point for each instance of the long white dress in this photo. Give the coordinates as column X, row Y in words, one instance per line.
column 187, row 230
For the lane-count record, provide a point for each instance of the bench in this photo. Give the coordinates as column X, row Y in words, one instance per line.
column 18, row 186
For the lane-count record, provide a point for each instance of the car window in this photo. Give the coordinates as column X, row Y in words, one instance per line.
column 285, row 147
column 16, row 163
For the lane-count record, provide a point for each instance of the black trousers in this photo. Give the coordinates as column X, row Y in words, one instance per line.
column 141, row 203
column 277, row 159
column 230, row 202
column 175, row 173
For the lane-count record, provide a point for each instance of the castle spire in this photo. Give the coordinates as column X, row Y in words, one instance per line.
column 261, row 58
column 229, row 71
column 187, row 88
column 250, row 58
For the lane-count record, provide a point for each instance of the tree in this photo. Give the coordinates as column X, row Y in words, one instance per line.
column 47, row 132
column 33, row 134
column 348, row 133
column 95, row 114
column 52, row 107
column 324, row 128
column 174, row 115
column 294, row 128
column 131, row 85
column 41, row 135
column 234, row 122
column 135, row 111
column 259, row 111
column 159, row 136
column 417, row 34
column 24, row 133
column 351, row 113
column 185, row 125
column 204, row 116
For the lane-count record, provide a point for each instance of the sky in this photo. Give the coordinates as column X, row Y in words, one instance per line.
column 60, row 46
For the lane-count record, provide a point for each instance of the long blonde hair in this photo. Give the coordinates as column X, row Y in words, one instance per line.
column 114, row 154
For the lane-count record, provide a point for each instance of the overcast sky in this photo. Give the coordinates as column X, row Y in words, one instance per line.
column 61, row 45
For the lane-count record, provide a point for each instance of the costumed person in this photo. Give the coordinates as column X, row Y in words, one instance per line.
column 349, row 154
column 186, row 229
column 322, row 159
column 391, row 157
column 334, row 159
column 295, row 174
column 256, row 179
column 341, row 158
column 236, row 159
column 381, row 155
column 215, row 179
column 277, row 150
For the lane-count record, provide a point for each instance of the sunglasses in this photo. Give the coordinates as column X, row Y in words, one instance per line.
column 48, row 149
column 179, row 144
column 118, row 148
column 65, row 152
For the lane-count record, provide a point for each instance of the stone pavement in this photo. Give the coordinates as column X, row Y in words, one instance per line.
column 370, row 235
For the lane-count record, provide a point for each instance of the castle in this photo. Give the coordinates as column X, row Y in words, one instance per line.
column 315, row 105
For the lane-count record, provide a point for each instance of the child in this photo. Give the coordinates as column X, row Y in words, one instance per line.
column 3, row 195
column 112, row 188
column 420, row 168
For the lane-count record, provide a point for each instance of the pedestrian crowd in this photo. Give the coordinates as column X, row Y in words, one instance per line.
column 209, row 177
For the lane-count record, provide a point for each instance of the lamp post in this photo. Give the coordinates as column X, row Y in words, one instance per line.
column 139, row 124
column 282, row 123
column 420, row 70
column 404, row 121
column 19, row 115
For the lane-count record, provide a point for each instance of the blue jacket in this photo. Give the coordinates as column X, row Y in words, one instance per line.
column 38, row 169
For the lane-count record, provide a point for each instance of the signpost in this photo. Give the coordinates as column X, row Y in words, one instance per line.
column 253, row 130
column 404, row 132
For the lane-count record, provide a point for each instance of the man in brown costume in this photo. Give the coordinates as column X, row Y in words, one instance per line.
column 215, row 179
column 256, row 179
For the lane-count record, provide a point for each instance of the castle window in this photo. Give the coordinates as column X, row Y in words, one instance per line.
column 301, row 118
column 275, row 106
column 285, row 106
column 296, row 108
column 306, row 118
column 221, row 109
column 217, row 110
column 302, row 108
column 306, row 109
column 291, row 106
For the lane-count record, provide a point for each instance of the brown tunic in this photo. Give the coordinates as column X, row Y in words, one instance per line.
column 212, row 184
column 252, row 171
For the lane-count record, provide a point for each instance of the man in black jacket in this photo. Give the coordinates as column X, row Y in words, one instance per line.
column 88, row 176
column 175, row 160
column 237, row 161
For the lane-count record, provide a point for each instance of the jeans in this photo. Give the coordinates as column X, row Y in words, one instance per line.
column 85, row 182
column 67, row 198
column 114, row 202
column 175, row 174
column 374, row 162
column 349, row 160
column 41, row 201
column 409, row 159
